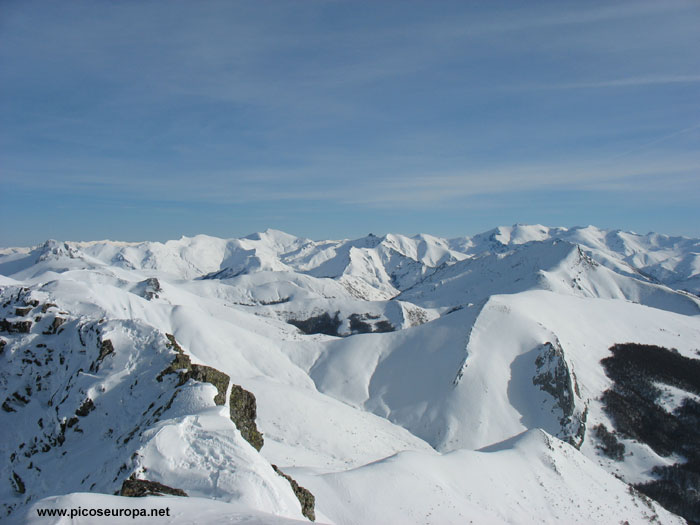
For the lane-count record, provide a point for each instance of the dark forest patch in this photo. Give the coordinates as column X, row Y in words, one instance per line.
column 359, row 324
column 633, row 403
column 320, row 324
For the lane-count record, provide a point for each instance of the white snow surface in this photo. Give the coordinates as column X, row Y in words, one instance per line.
column 415, row 402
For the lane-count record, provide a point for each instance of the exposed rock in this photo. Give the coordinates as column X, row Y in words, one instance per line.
column 106, row 348
column 52, row 249
column 139, row 488
column 242, row 407
column 554, row 377
column 226, row 273
column 307, row 500
column 3, row 343
column 87, row 407
column 23, row 311
column 18, row 483
column 46, row 307
column 207, row 374
column 182, row 366
column 150, row 288
column 243, row 413
column 54, row 326
column 18, row 327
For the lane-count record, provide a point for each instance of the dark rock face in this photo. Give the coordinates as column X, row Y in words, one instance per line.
column 18, row 483
column 150, row 288
column 307, row 500
column 54, row 326
column 243, row 413
column 186, row 371
column 320, row 324
column 554, row 377
column 17, row 327
column 632, row 404
column 87, row 407
column 106, row 348
column 242, row 408
column 207, row 374
column 138, row 488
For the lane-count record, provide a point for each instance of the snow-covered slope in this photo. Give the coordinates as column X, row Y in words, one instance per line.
column 550, row 265
column 674, row 261
column 400, row 379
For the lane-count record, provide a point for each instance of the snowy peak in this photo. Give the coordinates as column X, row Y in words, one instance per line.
column 521, row 365
column 473, row 280
column 555, row 265
column 53, row 249
column 283, row 242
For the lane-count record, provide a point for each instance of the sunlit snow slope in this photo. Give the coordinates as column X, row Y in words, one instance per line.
column 393, row 379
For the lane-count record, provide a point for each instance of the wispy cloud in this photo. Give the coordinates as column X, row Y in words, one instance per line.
column 404, row 105
column 650, row 80
column 446, row 189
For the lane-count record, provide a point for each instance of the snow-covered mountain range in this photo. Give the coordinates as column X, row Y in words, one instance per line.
column 526, row 374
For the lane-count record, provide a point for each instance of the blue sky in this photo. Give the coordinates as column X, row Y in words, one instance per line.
column 137, row 120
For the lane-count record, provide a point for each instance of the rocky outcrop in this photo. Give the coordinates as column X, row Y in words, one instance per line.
column 243, row 412
column 53, row 249
column 54, row 326
column 307, row 500
column 106, row 348
column 87, row 407
column 554, row 376
column 242, row 405
column 17, row 327
column 149, row 289
column 182, row 366
column 18, row 484
column 139, row 488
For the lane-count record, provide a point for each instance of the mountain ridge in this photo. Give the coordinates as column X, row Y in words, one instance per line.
column 366, row 358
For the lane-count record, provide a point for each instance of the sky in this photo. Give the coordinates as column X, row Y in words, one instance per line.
column 149, row 120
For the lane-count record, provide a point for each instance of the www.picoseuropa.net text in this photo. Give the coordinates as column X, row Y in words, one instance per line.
column 89, row 512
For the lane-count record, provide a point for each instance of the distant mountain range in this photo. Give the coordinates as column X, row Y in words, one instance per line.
column 525, row 374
